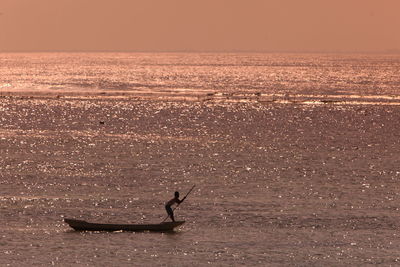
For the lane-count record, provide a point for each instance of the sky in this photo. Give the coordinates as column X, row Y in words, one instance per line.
column 200, row 25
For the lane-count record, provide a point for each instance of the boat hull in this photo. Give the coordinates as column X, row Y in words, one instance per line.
column 80, row 225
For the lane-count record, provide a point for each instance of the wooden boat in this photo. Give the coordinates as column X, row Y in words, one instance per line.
column 81, row 225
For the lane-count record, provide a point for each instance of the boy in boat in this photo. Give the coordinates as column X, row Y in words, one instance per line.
column 173, row 201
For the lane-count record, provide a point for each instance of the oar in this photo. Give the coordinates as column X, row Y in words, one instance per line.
column 181, row 202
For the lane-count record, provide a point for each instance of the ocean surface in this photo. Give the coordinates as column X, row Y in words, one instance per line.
column 295, row 158
column 327, row 77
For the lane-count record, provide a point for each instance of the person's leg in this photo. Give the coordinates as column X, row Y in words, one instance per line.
column 170, row 212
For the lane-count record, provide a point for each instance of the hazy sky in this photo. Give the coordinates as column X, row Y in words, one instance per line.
column 199, row 25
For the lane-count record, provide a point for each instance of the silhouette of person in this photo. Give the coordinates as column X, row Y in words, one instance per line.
column 173, row 201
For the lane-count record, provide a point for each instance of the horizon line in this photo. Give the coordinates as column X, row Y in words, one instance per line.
column 238, row 51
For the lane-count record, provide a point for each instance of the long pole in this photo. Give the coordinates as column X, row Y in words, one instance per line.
column 181, row 202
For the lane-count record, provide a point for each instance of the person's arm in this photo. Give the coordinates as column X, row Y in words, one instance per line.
column 180, row 201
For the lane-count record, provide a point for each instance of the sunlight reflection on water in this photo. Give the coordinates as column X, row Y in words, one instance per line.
column 276, row 184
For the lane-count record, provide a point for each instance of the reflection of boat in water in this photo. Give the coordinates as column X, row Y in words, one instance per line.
column 81, row 225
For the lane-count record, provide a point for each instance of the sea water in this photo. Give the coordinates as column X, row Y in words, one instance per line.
column 278, row 181
column 346, row 75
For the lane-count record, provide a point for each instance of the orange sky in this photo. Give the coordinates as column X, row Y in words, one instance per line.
column 199, row 25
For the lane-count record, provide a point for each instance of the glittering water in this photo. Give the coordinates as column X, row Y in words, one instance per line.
column 315, row 76
column 276, row 184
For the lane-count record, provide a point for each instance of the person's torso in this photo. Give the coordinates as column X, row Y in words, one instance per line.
column 171, row 202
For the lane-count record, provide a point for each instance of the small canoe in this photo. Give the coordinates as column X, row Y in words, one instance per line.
column 81, row 225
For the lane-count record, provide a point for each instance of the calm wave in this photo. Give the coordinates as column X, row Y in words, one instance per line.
column 276, row 184
column 272, row 76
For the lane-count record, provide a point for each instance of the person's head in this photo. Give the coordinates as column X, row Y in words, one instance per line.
column 177, row 194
